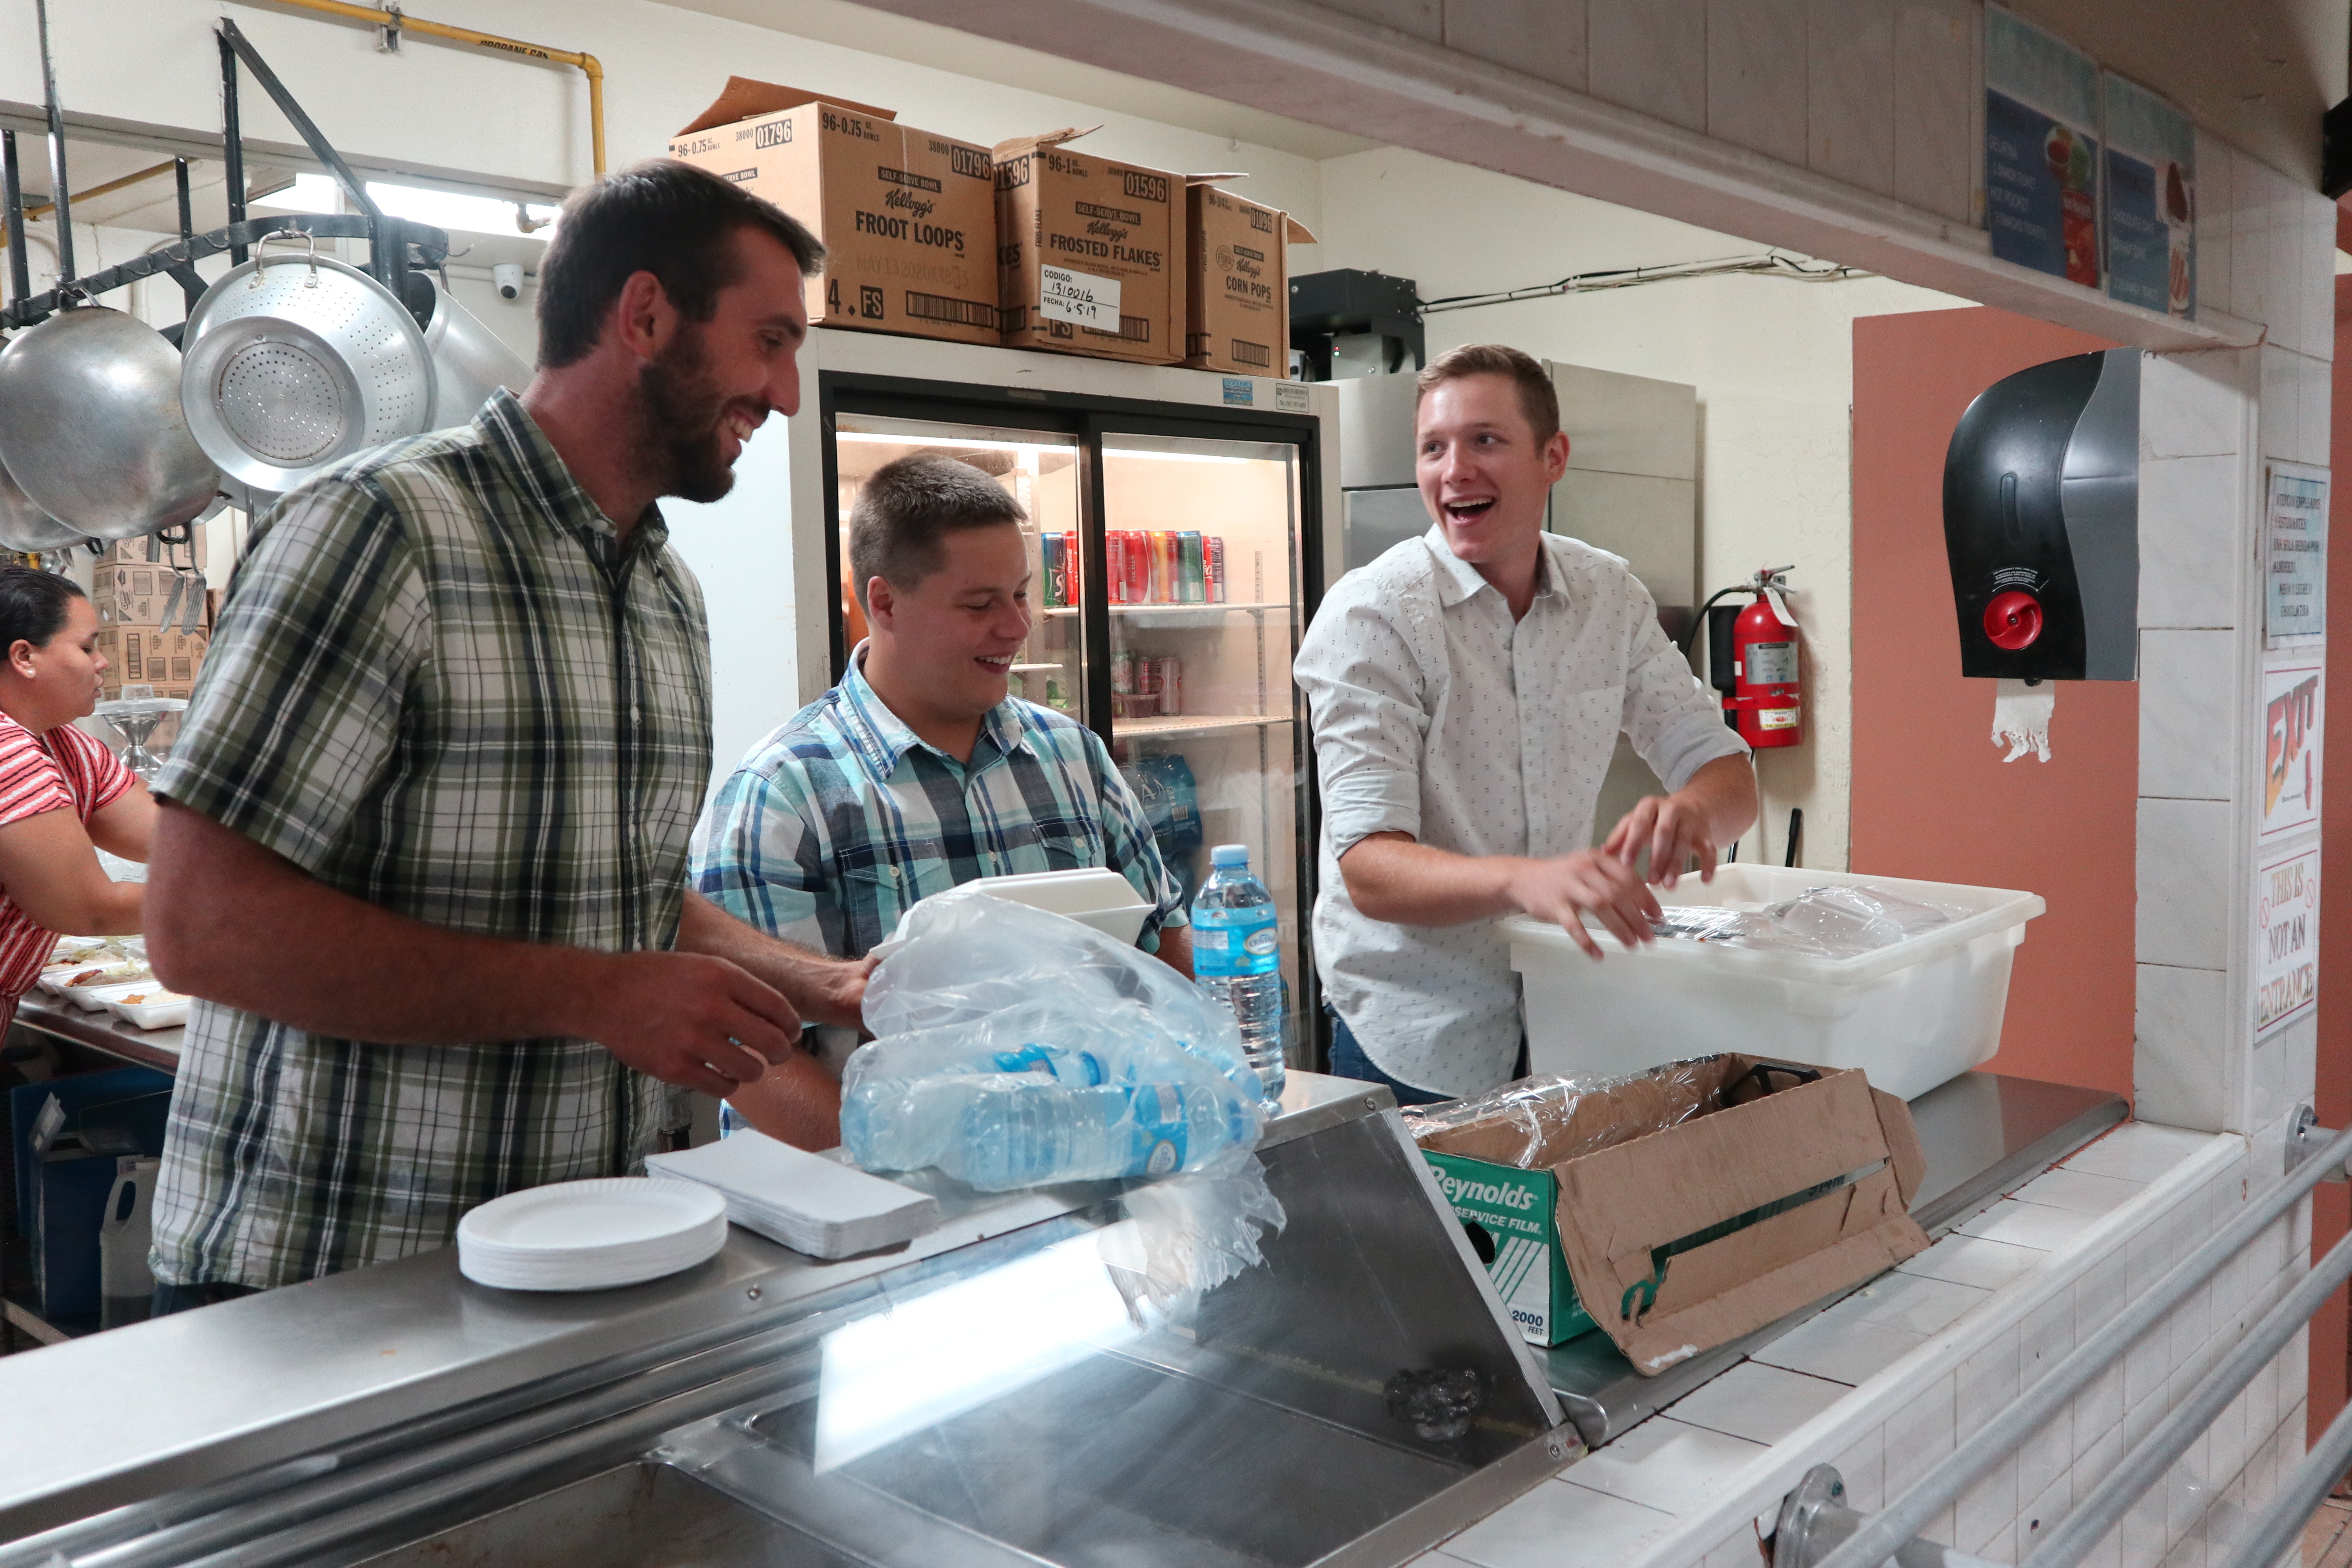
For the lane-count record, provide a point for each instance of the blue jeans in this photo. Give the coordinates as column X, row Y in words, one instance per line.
column 1348, row 1060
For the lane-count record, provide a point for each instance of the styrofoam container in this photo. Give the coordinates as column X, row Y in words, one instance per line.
column 1911, row 1015
column 1094, row 896
column 151, row 1014
column 95, row 998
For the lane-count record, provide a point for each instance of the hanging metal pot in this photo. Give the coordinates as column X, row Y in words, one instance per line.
column 91, row 426
column 469, row 362
column 295, row 362
column 23, row 526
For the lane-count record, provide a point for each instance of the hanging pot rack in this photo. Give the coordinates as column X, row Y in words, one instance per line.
column 398, row 249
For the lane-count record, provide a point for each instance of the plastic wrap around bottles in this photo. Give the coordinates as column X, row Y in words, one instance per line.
column 1819, row 923
column 1014, row 1048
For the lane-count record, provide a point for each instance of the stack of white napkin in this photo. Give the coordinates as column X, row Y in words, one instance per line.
column 806, row 1200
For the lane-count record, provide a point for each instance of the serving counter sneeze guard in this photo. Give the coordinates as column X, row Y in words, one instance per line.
column 984, row 1396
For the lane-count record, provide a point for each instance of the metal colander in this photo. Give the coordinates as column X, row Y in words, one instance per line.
column 294, row 362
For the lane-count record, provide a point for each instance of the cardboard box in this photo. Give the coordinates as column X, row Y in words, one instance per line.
column 149, row 551
column 1088, row 252
column 1745, row 1206
column 165, row 658
column 1237, row 286
column 907, row 219
column 139, row 594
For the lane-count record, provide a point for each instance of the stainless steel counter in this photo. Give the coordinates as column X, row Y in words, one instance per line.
column 101, row 1032
column 355, row 1370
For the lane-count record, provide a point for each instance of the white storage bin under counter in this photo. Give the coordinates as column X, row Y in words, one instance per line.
column 1911, row 1016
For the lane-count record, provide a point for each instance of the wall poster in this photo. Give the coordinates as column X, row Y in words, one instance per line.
column 2042, row 150
column 2152, row 191
column 2295, row 705
column 2286, row 939
column 2294, row 556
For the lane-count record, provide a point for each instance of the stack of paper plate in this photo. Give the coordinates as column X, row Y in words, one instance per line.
column 591, row 1236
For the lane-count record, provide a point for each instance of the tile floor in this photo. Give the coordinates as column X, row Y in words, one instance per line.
column 1636, row 1501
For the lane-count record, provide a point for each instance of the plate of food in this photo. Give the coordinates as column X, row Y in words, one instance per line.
column 145, row 1006
column 92, row 992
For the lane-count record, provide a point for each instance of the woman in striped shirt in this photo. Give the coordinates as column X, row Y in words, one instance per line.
column 62, row 791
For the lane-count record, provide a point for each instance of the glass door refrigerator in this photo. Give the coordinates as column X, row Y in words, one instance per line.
column 1177, row 541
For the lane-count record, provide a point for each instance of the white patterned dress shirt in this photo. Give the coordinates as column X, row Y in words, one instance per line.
column 1438, row 716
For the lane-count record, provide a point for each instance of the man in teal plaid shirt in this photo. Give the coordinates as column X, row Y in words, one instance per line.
column 921, row 770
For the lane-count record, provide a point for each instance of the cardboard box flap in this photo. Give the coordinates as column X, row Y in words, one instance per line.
column 1192, row 180
column 1043, row 140
column 1297, row 233
column 1909, row 1160
column 1726, row 1164
column 742, row 97
column 1661, row 1340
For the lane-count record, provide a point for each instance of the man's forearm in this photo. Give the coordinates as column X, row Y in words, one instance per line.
column 1392, row 877
column 826, row 990
column 231, row 922
column 1724, row 791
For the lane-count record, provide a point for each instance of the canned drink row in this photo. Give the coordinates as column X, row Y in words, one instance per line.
column 1148, row 685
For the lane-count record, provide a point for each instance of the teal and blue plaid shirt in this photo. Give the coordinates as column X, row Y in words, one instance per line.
column 842, row 818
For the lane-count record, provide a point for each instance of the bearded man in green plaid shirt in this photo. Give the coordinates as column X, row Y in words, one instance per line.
column 921, row 770
column 423, row 850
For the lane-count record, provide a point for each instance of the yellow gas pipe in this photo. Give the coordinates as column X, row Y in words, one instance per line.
column 400, row 21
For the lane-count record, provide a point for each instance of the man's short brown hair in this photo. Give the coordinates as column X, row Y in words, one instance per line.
column 661, row 217
column 899, row 529
column 1538, row 397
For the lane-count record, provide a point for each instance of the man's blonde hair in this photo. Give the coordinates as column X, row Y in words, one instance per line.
column 1537, row 398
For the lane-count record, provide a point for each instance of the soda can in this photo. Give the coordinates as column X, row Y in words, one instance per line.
column 1145, row 675
column 1053, row 563
column 1191, row 579
column 1115, row 566
column 1163, row 567
column 1214, row 547
column 1167, row 679
column 1139, row 568
column 1122, row 669
column 1072, row 588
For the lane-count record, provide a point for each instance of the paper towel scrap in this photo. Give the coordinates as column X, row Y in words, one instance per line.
column 2021, row 718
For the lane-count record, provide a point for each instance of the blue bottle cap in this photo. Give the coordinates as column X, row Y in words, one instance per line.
column 1229, row 855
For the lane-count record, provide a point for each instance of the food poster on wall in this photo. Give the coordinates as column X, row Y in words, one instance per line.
column 2042, row 150
column 2286, row 939
column 2294, row 708
column 2152, row 191
column 2294, row 556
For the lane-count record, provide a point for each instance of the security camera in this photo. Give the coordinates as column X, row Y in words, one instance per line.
column 508, row 276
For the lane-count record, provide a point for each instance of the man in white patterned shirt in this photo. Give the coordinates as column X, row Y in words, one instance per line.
column 1467, row 690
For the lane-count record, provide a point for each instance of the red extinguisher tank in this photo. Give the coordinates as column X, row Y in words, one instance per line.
column 1763, row 687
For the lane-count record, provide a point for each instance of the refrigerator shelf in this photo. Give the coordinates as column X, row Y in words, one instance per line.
column 1191, row 724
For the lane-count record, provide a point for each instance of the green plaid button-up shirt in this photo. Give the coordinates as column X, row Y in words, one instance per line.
column 440, row 684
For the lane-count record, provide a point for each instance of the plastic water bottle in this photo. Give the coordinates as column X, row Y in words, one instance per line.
column 1237, row 958
column 997, row 1131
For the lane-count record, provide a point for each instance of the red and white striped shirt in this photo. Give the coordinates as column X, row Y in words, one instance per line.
column 65, row 768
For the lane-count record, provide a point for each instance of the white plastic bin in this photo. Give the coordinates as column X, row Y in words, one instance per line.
column 1911, row 1015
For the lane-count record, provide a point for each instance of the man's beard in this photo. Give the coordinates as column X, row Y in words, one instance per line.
column 678, row 420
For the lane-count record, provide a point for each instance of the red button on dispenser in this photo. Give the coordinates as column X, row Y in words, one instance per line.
column 2013, row 620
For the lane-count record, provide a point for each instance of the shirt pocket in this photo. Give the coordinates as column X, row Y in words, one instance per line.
column 875, row 896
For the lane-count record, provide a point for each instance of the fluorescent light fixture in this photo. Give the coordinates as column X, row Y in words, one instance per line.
column 923, row 1362
column 959, row 443
column 442, row 209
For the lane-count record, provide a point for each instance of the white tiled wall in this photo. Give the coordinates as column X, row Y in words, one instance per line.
column 2209, row 423
column 1888, row 1381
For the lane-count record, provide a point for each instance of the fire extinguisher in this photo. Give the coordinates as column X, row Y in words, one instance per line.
column 1753, row 660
